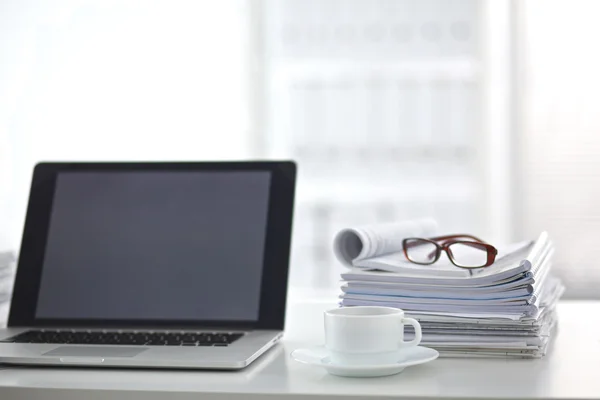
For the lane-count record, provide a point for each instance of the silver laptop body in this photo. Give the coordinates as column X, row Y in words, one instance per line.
column 237, row 355
column 152, row 265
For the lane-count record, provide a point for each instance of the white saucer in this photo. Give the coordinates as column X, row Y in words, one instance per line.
column 320, row 356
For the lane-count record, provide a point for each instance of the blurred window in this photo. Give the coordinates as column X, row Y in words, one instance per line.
column 385, row 104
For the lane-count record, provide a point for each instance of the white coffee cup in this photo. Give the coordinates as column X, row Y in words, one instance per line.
column 367, row 335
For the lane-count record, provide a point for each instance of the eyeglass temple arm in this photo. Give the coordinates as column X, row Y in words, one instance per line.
column 447, row 237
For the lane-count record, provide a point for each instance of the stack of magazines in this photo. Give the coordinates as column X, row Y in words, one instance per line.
column 506, row 309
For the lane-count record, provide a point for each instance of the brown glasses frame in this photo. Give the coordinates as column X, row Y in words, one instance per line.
column 446, row 242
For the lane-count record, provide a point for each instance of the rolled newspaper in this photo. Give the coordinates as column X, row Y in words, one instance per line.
column 354, row 244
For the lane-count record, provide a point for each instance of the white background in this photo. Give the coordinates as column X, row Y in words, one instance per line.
column 478, row 113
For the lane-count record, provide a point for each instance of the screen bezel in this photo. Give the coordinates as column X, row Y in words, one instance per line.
column 273, row 291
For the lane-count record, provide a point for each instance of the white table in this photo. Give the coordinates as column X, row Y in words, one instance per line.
column 571, row 370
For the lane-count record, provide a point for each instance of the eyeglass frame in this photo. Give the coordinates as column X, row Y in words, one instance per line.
column 449, row 240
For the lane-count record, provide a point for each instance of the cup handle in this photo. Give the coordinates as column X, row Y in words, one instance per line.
column 418, row 335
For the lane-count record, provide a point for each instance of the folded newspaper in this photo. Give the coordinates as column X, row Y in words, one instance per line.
column 504, row 310
column 379, row 247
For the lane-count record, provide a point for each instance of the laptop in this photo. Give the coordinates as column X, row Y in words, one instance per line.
column 153, row 265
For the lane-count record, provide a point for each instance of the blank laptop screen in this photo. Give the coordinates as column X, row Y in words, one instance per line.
column 174, row 245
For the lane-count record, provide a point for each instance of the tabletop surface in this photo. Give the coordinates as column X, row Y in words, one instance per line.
column 571, row 370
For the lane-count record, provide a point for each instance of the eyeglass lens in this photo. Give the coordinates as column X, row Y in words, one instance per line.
column 421, row 251
column 468, row 254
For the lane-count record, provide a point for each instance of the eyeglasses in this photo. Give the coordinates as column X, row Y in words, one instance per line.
column 464, row 251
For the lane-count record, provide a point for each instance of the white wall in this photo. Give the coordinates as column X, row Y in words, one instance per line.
column 560, row 145
column 109, row 80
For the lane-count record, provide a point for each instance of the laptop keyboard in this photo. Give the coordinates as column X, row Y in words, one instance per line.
column 126, row 338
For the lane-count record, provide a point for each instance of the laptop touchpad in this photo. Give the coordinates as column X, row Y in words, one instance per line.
column 89, row 351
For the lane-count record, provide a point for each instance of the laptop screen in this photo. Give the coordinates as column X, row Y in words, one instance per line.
column 150, row 245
